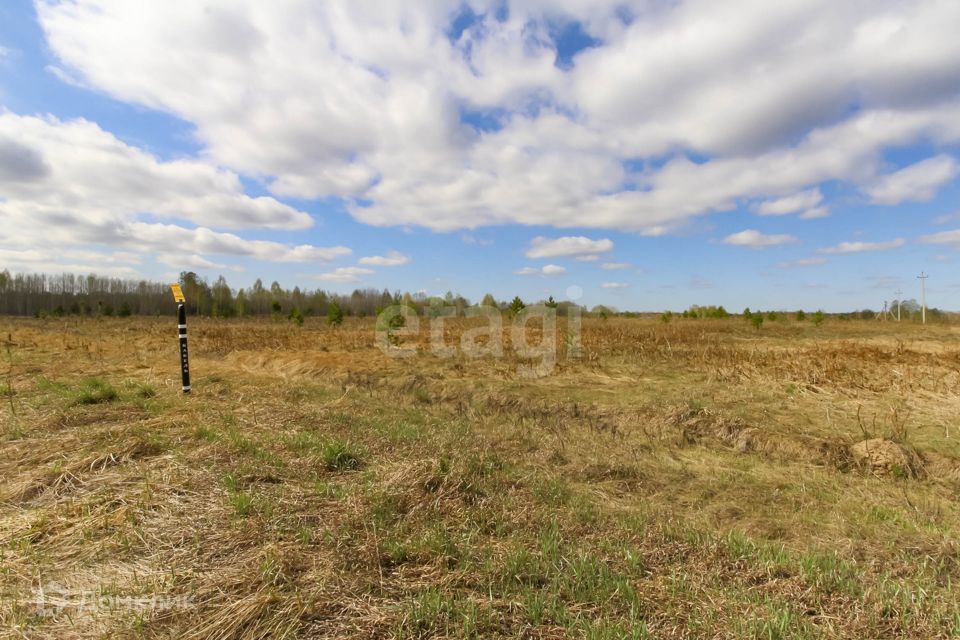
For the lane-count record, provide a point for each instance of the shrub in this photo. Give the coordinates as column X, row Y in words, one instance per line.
column 296, row 317
column 801, row 315
column 516, row 306
column 757, row 321
column 709, row 311
column 334, row 314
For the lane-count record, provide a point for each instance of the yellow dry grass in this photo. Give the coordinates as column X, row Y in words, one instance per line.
column 697, row 479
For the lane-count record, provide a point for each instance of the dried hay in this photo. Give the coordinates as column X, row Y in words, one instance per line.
column 886, row 457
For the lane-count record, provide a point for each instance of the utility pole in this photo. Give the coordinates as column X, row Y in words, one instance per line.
column 899, row 300
column 923, row 295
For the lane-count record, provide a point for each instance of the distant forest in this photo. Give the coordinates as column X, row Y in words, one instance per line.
column 70, row 294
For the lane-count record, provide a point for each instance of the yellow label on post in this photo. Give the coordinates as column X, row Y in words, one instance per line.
column 177, row 293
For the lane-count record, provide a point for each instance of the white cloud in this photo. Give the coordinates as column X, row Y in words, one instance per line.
column 567, row 246
column 802, row 262
column 837, row 86
column 68, row 185
column 194, row 261
column 943, row 237
column 796, row 203
column 392, row 259
column 860, row 247
column 345, row 274
column 815, row 212
column 756, row 240
column 75, row 165
column 117, row 264
column 613, row 266
column 546, row 270
column 917, row 182
column 614, row 285
column 467, row 238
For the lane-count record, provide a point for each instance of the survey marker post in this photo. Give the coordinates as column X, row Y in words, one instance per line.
column 182, row 330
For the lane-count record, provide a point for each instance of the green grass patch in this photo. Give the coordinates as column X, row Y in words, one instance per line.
column 95, row 391
column 334, row 454
column 828, row 573
column 252, row 448
column 241, row 500
column 436, row 612
column 340, row 455
column 777, row 622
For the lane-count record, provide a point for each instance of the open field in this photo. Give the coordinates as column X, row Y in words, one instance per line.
column 692, row 479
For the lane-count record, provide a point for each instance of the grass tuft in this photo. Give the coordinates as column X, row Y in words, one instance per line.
column 95, row 391
column 340, row 455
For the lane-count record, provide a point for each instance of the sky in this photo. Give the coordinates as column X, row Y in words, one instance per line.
column 643, row 155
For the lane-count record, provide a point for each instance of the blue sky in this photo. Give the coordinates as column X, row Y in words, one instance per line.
column 651, row 156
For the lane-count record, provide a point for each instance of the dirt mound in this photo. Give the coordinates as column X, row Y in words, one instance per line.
column 886, row 457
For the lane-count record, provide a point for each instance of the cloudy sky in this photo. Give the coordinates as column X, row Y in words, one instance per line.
column 649, row 154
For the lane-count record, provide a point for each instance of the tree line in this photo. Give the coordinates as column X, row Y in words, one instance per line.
column 92, row 295
column 65, row 294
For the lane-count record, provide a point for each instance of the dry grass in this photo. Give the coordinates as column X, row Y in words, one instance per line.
column 692, row 479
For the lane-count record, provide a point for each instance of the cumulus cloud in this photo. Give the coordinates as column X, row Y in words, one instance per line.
column 861, row 247
column 69, row 165
column 815, row 212
column 388, row 84
column 796, row 203
column 567, row 247
column 181, row 262
column 614, row 285
column 756, row 240
column 117, row 263
column 917, row 182
column 546, row 270
column 69, row 184
column 392, row 259
column 345, row 274
column 613, row 266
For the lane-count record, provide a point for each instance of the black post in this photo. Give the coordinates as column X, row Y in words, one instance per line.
column 184, row 359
